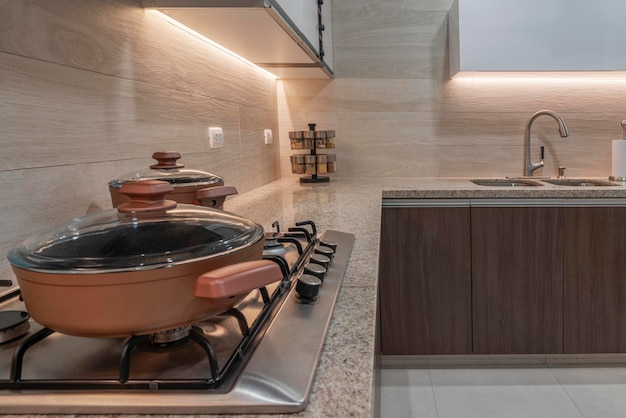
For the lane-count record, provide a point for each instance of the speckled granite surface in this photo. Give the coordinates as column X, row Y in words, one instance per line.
column 344, row 383
column 463, row 188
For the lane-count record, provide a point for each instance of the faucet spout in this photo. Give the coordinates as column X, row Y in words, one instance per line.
column 530, row 167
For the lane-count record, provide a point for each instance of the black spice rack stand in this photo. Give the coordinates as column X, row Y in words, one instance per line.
column 313, row 164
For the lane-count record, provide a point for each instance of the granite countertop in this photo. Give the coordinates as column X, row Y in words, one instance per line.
column 344, row 385
column 463, row 188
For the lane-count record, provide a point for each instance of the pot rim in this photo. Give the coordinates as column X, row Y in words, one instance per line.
column 170, row 171
column 164, row 265
column 114, row 241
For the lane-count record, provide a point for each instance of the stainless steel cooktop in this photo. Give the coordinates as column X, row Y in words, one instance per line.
column 275, row 376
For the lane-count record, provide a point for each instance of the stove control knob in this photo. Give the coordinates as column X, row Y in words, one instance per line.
column 320, row 259
column 316, row 270
column 325, row 251
column 330, row 244
column 308, row 287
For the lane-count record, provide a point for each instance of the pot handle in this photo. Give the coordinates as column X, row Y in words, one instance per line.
column 213, row 197
column 166, row 160
column 237, row 279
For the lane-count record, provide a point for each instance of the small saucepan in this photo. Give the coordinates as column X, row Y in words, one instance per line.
column 186, row 183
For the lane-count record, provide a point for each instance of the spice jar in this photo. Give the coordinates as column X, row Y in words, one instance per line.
column 320, row 139
column 297, row 164
column 309, row 139
column 322, row 166
column 331, row 165
column 296, row 140
column 330, row 142
column 310, row 164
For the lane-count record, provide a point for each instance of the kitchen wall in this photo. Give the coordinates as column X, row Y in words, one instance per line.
column 89, row 89
column 397, row 113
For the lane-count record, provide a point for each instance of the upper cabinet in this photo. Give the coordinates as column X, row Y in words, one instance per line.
column 290, row 38
column 537, row 35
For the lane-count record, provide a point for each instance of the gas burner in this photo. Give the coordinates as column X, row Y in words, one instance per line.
column 13, row 324
column 291, row 244
column 271, row 241
column 282, row 245
column 170, row 336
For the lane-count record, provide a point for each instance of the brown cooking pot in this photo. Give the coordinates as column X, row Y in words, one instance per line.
column 150, row 265
column 186, row 183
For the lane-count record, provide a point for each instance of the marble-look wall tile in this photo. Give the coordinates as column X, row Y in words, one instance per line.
column 397, row 113
column 89, row 89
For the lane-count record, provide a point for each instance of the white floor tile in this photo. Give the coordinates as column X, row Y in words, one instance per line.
column 597, row 392
column 501, row 393
column 407, row 393
column 563, row 392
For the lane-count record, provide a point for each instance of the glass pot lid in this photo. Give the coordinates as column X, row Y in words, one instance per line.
column 168, row 169
column 148, row 232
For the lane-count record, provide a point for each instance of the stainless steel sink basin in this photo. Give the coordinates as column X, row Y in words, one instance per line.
column 506, row 182
column 579, row 182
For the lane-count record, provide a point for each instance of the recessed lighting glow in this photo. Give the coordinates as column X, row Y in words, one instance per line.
column 569, row 77
column 209, row 41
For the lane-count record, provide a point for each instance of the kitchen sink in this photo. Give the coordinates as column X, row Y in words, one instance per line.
column 506, row 182
column 579, row 182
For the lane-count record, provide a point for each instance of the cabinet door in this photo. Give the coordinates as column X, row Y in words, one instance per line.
column 303, row 13
column 425, row 281
column 595, row 280
column 517, row 280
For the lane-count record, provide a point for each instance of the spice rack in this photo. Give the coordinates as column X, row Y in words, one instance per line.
column 312, row 164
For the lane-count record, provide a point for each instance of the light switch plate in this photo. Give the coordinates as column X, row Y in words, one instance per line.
column 267, row 136
column 216, row 137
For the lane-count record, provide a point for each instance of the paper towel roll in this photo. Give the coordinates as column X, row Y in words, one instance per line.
column 618, row 166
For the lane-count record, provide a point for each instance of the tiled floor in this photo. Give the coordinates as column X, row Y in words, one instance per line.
column 563, row 392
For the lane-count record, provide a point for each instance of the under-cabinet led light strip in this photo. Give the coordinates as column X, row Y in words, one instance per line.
column 209, row 41
column 581, row 77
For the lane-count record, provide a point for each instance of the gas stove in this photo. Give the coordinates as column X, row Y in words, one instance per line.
column 258, row 357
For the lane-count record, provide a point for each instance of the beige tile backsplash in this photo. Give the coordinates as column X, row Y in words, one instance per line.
column 89, row 89
column 397, row 113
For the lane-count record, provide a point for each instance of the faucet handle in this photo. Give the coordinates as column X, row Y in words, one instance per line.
column 561, row 172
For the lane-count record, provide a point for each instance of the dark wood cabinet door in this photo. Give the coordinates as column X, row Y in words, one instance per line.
column 595, row 280
column 517, row 280
column 425, row 282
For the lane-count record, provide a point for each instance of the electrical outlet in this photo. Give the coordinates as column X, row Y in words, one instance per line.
column 267, row 136
column 216, row 137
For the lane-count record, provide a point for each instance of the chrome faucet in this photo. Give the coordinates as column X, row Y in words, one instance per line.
column 530, row 167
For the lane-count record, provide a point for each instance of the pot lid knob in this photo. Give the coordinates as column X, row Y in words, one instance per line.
column 146, row 196
column 166, row 160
